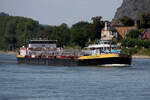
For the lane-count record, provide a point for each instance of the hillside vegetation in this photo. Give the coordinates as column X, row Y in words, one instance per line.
column 14, row 31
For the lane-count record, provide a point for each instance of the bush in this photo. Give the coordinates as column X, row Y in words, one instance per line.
column 130, row 50
column 127, row 21
column 134, row 34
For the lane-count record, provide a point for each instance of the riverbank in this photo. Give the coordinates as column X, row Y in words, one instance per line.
column 141, row 57
column 8, row 52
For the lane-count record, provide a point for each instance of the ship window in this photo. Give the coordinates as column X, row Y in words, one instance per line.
column 112, row 33
column 42, row 42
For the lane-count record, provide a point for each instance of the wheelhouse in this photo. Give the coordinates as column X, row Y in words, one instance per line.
column 101, row 47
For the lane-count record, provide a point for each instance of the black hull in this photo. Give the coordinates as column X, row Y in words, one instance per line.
column 106, row 61
column 76, row 62
column 49, row 62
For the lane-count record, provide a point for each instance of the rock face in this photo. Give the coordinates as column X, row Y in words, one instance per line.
column 133, row 8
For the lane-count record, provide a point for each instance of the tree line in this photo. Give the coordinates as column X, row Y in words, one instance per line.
column 15, row 31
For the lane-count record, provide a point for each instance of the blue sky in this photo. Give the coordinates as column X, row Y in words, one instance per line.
column 56, row 12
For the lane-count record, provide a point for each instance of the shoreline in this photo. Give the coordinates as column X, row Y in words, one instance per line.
column 8, row 52
column 140, row 57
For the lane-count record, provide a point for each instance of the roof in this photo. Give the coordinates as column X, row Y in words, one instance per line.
column 111, row 28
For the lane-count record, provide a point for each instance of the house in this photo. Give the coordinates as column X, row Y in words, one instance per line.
column 146, row 34
column 109, row 33
column 123, row 30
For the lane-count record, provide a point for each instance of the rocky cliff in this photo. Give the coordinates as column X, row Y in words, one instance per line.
column 133, row 8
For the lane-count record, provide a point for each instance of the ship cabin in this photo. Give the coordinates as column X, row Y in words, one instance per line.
column 38, row 48
column 42, row 43
column 101, row 47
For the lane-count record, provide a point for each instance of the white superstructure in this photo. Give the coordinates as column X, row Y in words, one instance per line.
column 101, row 47
column 42, row 43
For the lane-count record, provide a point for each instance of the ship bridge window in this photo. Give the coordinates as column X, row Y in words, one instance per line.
column 106, row 42
column 42, row 42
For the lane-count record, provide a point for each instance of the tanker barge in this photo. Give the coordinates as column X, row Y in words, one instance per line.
column 45, row 52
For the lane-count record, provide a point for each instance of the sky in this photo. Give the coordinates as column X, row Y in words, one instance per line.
column 56, row 12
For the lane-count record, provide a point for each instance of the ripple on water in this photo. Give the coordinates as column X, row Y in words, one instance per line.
column 32, row 82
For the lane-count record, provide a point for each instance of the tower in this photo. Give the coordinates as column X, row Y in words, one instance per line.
column 106, row 27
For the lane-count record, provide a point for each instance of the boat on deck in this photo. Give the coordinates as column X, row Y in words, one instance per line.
column 45, row 52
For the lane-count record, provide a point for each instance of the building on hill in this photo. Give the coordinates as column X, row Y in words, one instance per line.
column 122, row 29
column 109, row 33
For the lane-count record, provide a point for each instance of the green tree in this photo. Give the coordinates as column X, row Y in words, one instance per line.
column 80, row 33
column 145, row 20
column 15, row 30
column 98, row 26
column 134, row 34
column 127, row 21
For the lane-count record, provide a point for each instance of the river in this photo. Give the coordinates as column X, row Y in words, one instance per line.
column 35, row 82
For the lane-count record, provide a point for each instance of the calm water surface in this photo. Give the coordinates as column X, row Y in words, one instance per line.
column 32, row 82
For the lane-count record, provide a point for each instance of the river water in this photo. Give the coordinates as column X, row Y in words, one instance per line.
column 32, row 82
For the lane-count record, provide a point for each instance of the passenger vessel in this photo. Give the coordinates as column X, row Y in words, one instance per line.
column 45, row 52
